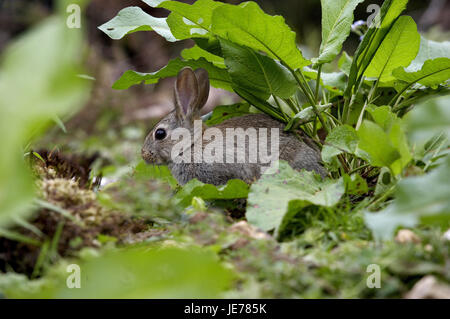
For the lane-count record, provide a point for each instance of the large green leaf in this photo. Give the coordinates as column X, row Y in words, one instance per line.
column 423, row 198
column 283, row 189
column 257, row 73
column 39, row 80
column 188, row 21
column 432, row 73
column 375, row 145
column 133, row 19
column 337, row 18
column 219, row 77
column 393, row 126
column 398, row 49
column 394, row 151
column 388, row 14
column 248, row 25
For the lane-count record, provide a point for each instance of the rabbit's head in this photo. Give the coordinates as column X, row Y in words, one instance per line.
column 190, row 95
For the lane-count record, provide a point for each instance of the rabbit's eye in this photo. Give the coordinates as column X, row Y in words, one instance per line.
column 160, row 134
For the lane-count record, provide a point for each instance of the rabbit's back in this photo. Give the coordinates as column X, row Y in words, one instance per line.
column 256, row 120
column 300, row 154
column 299, row 151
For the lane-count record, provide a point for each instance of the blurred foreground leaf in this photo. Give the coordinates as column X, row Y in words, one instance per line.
column 38, row 81
column 428, row 119
column 131, row 273
column 417, row 199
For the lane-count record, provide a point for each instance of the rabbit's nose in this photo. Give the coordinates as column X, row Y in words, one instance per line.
column 146, row 155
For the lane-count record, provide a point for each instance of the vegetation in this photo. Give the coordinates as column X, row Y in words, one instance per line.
column 382, row 122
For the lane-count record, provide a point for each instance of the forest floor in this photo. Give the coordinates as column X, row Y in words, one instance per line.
column 97, row 194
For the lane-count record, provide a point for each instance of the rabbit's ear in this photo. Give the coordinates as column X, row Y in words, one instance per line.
column 203, row 88
column 186, row 93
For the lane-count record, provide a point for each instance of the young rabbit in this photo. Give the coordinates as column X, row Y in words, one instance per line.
column 191, row 93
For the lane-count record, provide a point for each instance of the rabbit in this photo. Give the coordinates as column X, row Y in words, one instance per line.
column 190, row 94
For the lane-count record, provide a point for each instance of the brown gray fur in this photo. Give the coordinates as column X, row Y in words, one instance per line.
column 191, row 92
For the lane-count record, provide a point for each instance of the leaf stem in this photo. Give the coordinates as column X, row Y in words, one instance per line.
column 341, row 159
column 368, row 100
column 358, row 168
column 319, row 72
column 292, row 105
column 309, row 95
column 262, row 105
column 383, row 196
column 348, row 103
column 280, row 108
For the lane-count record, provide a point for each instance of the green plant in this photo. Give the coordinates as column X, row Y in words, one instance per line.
column 256, row 56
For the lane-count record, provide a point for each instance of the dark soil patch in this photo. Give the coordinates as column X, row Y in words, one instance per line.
column 68, row 218
column 21, row 257
column 54, row 164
